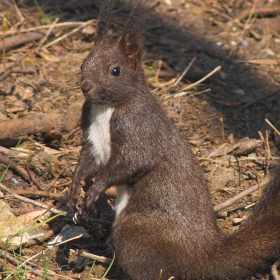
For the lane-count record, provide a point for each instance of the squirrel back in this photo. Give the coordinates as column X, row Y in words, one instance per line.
column 165, row 219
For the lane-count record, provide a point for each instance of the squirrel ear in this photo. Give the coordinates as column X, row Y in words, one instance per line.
column 131, row 45
column 131, row 42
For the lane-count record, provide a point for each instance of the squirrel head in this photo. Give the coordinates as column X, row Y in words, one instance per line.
column 112, row 71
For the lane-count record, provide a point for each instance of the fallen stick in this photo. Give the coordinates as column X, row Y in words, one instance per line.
column 32, row 176
column 69, row 33
column 39, row 193
column 40, row 28
column 183, row 92
column 14, row 165
column 8, row 72
column 180, row 93
column 11, row 42
column 42, row 122
column 47, row 34
column 41, row 239
column 246, row 105
column 27, row 200
column 261, row 12
column 240, row 195
column 90, row 256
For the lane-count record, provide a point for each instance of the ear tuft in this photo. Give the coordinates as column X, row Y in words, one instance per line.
column 131, row 41
column 103, row 21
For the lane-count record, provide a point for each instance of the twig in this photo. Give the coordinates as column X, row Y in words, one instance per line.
column 193, row 94
column 160, row 274
column 31, row 176
column 227, row 9
column 223, row 129
column 69, row 33
column 215, row 151
column 11, row 42
column 57, row 177
column 227, row 104
column 9, row 69
column 239, row 170
column 63, row 184
column 21, row 18
column 245, row 28
column 214, row 160
column 47, row 26
column 84, row 254
column 175, row 107
column 179, row 94
column 31, row 71
column 42, row 123
column 240, row 159
column 161, row 85
column 278, row 132
column 47, row 35
column 261, row 61
column 51, row 209
column 7, row 72
column 158, row 70
column 200, row 92
column 41, row 239
column 15, row 166
column 246, row 25
column 185, row 72
column 203, row 79
column 27, row 200
column 39, row 193
column 17, row 152
column 259, row 99
column 240, row 195
column 261, row 12
column 266, row 144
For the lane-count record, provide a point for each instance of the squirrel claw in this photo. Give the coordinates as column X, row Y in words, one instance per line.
column 75, row 218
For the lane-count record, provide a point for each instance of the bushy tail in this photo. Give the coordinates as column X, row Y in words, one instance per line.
column 255, row 246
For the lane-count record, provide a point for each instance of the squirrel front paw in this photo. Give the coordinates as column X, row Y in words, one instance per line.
column 93, row 195
column 74, row 206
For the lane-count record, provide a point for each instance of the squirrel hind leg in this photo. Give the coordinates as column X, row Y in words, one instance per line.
column 141, row 252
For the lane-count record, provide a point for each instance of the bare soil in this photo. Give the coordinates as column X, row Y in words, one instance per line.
column 224, row 117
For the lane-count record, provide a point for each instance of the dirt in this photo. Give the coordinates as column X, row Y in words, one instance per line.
column 223, row 117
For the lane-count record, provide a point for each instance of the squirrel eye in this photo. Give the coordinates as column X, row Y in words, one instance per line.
column 116, row 71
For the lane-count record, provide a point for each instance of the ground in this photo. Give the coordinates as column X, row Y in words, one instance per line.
column 230, row 118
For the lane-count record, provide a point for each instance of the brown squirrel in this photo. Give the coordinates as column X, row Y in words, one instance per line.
column 164, row 215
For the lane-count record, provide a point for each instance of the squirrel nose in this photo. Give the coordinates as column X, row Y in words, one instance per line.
column 86, row 86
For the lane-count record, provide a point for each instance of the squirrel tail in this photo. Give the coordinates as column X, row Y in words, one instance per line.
column 255, row 246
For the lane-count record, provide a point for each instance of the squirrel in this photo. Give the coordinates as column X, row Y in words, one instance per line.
column 164, row 215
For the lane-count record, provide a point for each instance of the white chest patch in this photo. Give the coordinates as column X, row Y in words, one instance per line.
column 122, row 199
column 99, row 133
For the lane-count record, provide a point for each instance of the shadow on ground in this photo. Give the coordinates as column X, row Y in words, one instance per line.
column 177, row 33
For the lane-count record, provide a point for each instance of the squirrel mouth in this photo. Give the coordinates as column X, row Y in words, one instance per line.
column 86, row 86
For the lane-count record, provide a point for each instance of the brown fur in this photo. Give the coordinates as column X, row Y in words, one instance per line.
column 168, row 222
